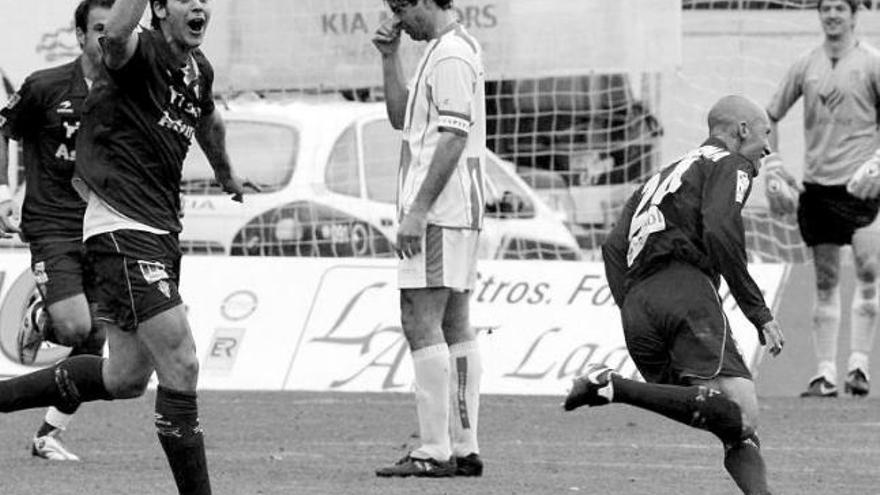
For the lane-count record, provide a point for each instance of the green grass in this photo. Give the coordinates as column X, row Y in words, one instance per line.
column 313, row 443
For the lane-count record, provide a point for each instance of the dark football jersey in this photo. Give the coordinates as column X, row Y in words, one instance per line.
column 44, row 115
column 138, row 123
column 691, row 211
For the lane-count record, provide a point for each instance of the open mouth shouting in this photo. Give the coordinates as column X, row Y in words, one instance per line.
column 197, row 25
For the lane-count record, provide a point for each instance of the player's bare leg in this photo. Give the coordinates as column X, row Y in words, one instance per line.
column 66, row 322
column 69, row 323
column 170, row 342
column 71, row 320
column 129, row 366
column 421, row 315
column 465, row 373
column 865, row 306
column 826, row 320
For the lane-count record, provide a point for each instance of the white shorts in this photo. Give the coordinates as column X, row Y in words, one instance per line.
column 448, row 259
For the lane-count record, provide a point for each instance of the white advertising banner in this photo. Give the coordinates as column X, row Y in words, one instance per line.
column 333, row 324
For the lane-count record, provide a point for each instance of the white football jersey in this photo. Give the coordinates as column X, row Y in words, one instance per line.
column 446, row 94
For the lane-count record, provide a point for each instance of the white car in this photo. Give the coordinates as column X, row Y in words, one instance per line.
column 328, row 172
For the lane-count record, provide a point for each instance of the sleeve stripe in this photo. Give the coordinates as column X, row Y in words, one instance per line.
column 454, row 130
column 448, row 113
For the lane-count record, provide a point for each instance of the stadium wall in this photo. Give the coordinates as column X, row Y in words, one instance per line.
column 277, row 44
column 333, row 324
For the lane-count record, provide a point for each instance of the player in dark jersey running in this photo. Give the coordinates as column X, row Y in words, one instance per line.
column 677, row 235
column 154, row 94
column 45, row 116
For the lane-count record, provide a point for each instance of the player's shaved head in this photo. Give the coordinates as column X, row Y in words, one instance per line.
column 742, row 124
column 732, row 110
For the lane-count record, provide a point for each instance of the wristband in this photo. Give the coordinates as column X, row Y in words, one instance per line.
column 5, row 193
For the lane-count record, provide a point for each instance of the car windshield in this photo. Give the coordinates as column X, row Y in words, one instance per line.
column 265, row 153
column 382, row 154
column 381, row 160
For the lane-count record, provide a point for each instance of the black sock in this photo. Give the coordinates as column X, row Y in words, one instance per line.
column 746, row 466
column 177, row 423
column 65, row 386
column 697, row 406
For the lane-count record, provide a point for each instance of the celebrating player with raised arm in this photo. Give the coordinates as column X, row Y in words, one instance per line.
column 676, row 236
column 44, row 115
column 152, row 96
column 440, row 213
column 840, row 84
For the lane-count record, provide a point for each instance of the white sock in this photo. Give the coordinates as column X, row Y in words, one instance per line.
column 465, row 372
column 866, row 303
column 57, row 418
column 431, row 366
column 859, row 361
column 826, row 326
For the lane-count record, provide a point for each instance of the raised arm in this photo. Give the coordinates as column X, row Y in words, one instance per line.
column 387, row 41
column 120, row 40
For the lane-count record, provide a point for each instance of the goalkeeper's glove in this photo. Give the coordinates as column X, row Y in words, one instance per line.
column 865, row 183
column 781, row 188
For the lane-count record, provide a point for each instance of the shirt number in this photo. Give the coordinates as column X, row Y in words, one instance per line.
column 648, row 218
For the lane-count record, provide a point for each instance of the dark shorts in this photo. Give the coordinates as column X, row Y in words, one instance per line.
column 830, row 215
column 135, row 276
column 676, row 330
column 58, row 268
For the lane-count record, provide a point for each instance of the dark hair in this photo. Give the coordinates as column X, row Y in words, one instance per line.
column 443, row 4
column 81, row 16
column 853, row 5
column 154, row 19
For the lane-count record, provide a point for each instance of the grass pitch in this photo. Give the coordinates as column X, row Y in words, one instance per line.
column 329, row 443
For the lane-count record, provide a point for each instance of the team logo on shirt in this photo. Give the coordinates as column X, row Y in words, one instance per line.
column 742, row 185
column 65, row 107
column 832, row 99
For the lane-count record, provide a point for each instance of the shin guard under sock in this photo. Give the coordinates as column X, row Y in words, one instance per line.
column 177, row 424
